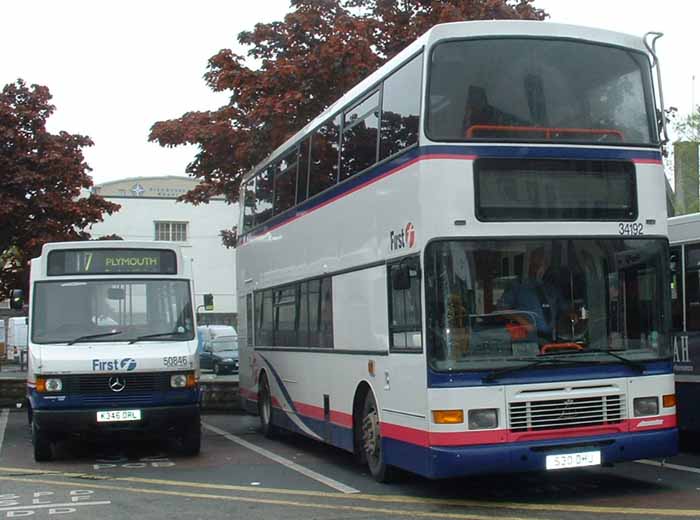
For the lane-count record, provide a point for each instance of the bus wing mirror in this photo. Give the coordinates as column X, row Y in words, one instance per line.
column 16, row 299
column 208, row 302
column 116, row 293
column 401, row 278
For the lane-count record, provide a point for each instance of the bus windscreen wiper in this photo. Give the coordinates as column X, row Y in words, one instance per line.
column 156, row 335
column 93, row 336
column 632, row 364
column 495, row 374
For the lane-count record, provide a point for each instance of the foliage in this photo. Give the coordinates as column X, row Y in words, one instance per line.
column 42, row 175
column 300, row 66
column 687, row 127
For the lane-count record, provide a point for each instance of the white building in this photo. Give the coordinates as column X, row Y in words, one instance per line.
column 149, row 211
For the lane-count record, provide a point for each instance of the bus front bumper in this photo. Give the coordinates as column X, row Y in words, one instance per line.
column 155, row 421
column 453, row 461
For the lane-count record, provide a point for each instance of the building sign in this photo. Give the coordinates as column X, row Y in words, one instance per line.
column 111, row 261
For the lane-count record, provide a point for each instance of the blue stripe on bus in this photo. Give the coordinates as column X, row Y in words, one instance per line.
column 448, row 151
column 545, row 374
column 455, row 461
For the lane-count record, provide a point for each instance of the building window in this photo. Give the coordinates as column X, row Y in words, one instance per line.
column 171, row 231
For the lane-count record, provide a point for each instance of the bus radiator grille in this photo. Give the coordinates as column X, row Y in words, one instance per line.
column 567, row 413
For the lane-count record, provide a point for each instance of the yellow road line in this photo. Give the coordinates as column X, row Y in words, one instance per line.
column 273, row 502
column 387, row 499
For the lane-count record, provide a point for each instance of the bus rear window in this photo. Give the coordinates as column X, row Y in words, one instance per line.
column 545, row 189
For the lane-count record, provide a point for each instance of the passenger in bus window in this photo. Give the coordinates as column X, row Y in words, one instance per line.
column 538, row 297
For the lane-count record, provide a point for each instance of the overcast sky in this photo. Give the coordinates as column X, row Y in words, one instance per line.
column 114, row 68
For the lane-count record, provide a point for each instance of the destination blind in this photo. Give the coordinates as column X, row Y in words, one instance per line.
column 111, row 261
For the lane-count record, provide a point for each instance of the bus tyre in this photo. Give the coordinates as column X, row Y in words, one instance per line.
column 192, row 440
column 265, row 408
column 42, row 445
column 371, row 442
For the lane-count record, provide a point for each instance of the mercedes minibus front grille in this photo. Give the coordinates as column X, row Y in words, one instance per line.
column 567, row 413
column 133, row 384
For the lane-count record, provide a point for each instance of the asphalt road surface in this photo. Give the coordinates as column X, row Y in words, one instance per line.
column 241, row 474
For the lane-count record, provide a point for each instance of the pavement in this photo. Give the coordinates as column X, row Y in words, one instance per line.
column 242, row 474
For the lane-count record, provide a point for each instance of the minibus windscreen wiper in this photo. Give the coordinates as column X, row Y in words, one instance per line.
column 156, row 335
column 93, row 336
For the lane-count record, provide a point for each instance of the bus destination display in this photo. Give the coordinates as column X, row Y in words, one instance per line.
column 111, row 261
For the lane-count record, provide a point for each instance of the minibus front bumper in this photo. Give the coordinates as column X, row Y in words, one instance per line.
column 155, row 421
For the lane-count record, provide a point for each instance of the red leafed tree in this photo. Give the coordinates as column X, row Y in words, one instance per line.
column 299, row 67
column 42, row 175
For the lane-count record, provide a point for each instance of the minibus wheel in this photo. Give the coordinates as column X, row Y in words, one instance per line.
column 371, row 441
column 192, row 440
column 42, row 445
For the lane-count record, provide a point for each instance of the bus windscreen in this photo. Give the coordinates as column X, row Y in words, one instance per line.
column 111, row 261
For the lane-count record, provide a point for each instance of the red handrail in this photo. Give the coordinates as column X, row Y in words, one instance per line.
column 560, row 346
column 547, row 131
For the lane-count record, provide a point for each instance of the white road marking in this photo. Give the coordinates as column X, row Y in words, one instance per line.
column 4, row 414
column 338, row 486
column 49, row 506
column 678, row 467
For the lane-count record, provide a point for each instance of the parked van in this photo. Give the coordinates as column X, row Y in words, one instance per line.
column 206, row 333
column 16, row 341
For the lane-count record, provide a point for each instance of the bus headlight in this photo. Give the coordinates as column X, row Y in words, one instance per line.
column 178, row 381
column 484, row 419
column 187, row 380
column 646, row 406
column 48, row 384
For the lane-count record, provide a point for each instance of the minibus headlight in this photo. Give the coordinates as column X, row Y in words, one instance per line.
column 484, row 419
column 49, row 384
column 178, row 381
column 646, row 406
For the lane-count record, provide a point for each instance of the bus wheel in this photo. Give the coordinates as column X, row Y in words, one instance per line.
column 192, row 440
column 372, row 442
column 265, row 408
column 42, row 445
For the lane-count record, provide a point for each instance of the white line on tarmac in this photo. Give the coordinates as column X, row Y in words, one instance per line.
column 49, row 506
column 4, row 414
column 688, row 469
column 338, row 486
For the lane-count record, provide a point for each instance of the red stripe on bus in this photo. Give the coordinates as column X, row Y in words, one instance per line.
column 647, row 161
column 466, row 438
column 341, row 419
column 405, row 434
column 316, row 412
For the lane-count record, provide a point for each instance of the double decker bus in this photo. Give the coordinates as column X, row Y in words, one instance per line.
column 112, row 345
column 460, row 267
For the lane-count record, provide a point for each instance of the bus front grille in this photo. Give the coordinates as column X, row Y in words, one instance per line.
column 566, row 413
column 99, row 384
